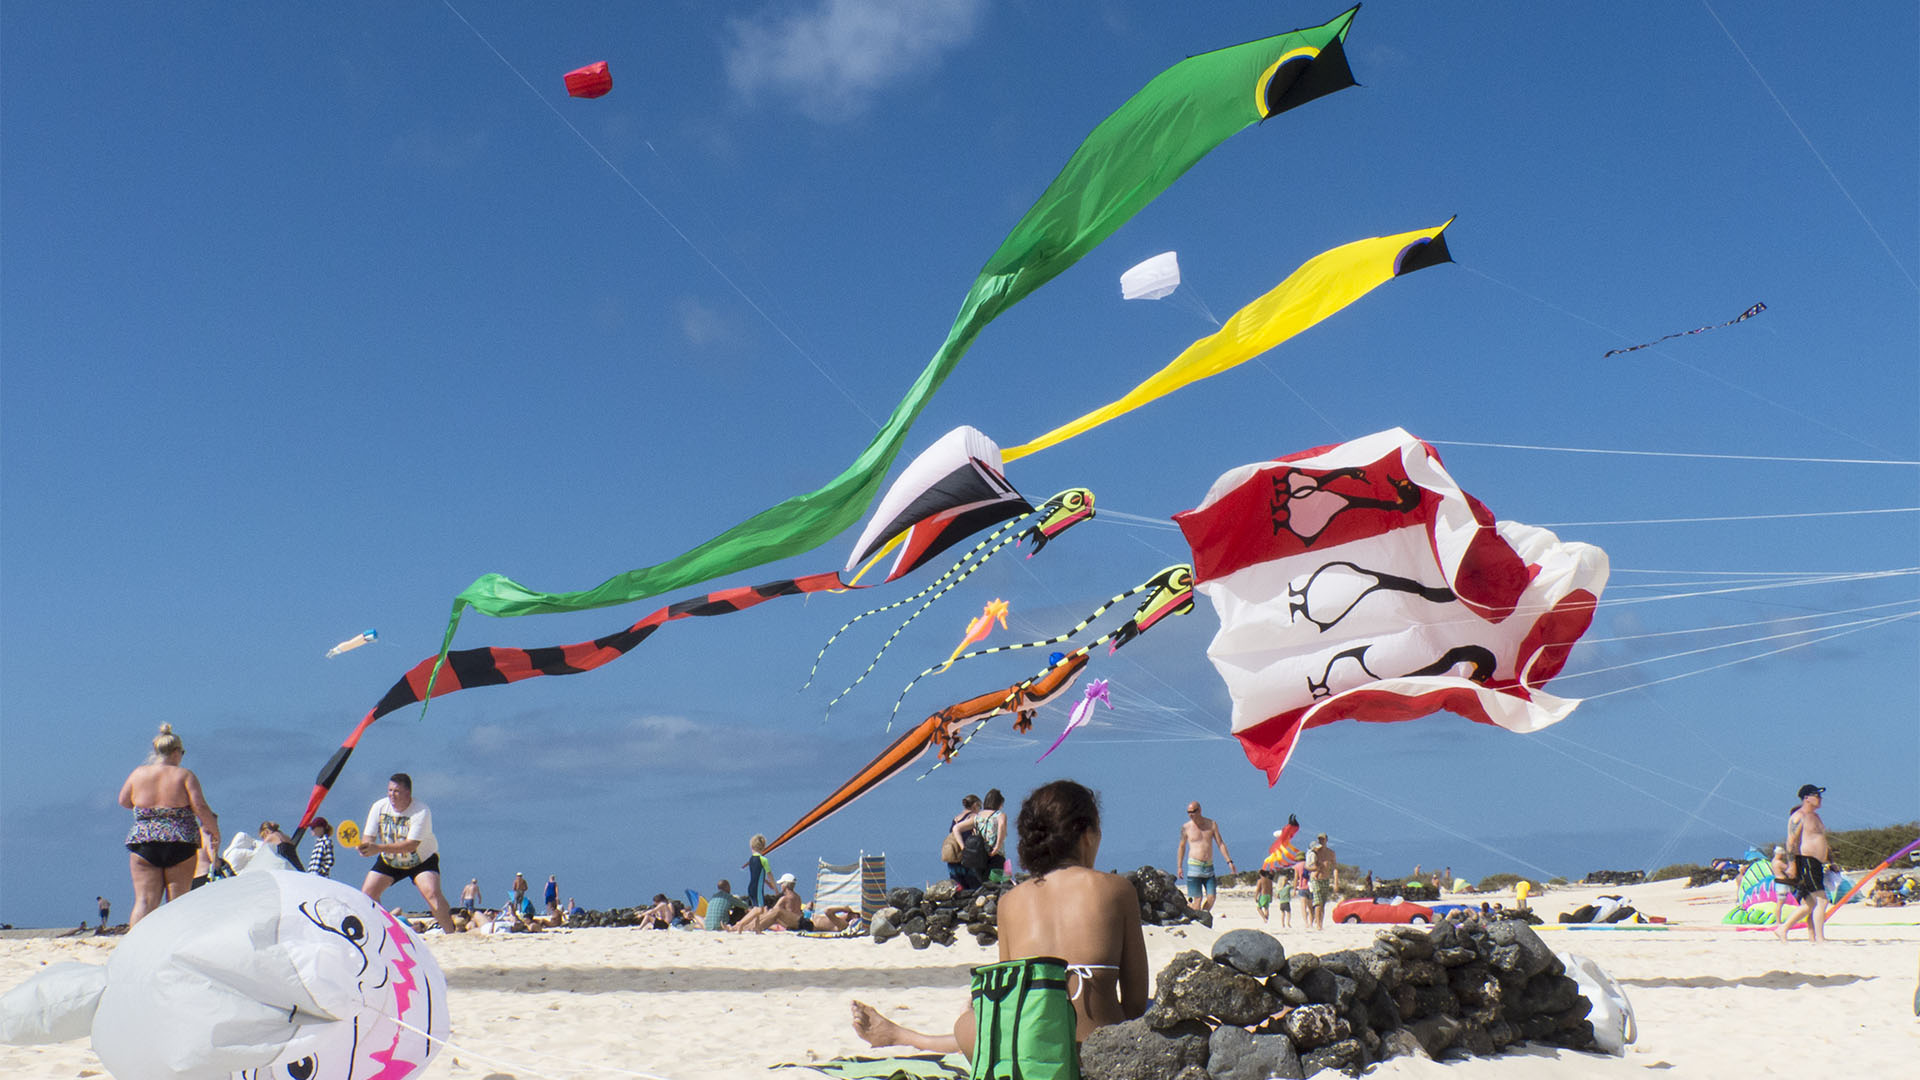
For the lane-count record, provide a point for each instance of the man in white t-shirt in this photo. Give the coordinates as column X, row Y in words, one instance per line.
column 399, row 833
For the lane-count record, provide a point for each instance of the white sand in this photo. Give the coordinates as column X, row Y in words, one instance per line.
column 1712, row 1001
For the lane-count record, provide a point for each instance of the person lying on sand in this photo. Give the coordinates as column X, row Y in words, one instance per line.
column 1071, row 948
column 833, row 920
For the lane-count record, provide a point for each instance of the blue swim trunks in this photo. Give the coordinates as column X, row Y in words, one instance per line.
column 1200, row 880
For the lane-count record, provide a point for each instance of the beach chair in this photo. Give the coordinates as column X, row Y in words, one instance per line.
column 836, row 886
column 873, row 883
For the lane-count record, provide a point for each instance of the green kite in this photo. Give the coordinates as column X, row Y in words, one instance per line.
column 1128, row 160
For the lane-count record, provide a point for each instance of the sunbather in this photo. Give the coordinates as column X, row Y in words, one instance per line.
column 1072, row 955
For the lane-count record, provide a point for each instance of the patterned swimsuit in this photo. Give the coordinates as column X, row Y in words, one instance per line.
column 164, row 825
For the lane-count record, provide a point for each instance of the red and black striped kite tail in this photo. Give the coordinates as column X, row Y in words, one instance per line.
column 499, row 665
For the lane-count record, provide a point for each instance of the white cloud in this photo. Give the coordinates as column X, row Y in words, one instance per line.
column 704, row 325
column 830, row 61
column 427, row 149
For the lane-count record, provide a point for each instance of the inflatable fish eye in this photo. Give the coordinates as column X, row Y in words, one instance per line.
column 336, row 918
column 302, row 1069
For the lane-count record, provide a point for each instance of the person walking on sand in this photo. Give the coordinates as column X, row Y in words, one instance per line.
column 1807, row 846
column 552, row 897
column 470, row 896
column 1193, row 857
column 104, row 909
column 1323, row 877
column 399, row 833
column 171, row 822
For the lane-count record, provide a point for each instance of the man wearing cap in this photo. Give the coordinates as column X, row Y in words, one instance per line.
column 1193, row 857
column 784, row 912
column 1807, row 847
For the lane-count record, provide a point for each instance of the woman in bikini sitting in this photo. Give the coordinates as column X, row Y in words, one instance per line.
column 169, row 814
column 1072, row 954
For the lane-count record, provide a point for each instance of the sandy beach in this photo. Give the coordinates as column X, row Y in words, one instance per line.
column 1711, row 1000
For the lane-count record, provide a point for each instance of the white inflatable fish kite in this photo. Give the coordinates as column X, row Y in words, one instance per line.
column 269, row 975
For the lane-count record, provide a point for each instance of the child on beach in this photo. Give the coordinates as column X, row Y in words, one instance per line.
column 1263, row 893
column 758, row 869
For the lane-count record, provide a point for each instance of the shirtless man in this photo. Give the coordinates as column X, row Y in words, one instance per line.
column 1324, row 877
column 1193, row 857
column 1807, row 846
column 785, row 911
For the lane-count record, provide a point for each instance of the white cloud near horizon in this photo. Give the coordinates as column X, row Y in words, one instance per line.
column 830, row 61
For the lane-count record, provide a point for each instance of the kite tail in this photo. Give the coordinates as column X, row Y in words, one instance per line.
column 931, row 586
column 1055, row 640
column 884, row 646
column 440, row 658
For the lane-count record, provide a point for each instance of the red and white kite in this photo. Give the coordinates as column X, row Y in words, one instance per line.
column 1358, row 582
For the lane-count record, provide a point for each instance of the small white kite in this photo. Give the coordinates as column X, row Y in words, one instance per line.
column 1153, row 279
column 354, row 642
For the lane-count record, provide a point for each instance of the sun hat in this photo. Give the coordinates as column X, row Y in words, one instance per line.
column 784, row 879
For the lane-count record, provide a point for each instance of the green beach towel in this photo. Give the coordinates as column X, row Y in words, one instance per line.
column 904, row 1067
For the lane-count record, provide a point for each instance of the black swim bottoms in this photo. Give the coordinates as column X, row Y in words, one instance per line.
column 163, row 853
column 431, row 865
column 1812, row 877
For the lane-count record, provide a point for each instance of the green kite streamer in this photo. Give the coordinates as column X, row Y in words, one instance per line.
column 1128, row 160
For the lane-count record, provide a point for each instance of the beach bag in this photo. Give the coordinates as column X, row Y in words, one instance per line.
column 973, row 855
column 1023, row 1021
column 950, row 850
column 1612, row 1015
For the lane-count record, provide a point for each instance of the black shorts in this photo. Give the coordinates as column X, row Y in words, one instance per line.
column 163, row 854
column 430, row 865
column 1811, row 877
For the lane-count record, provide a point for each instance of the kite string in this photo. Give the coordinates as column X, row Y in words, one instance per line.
column 1831, row 175
column 1590, row 640
column 1863, row 623
column 1745, row 659
column 1674, row 454
column 1736, row 517
column 449, row 1044
column 664, row 219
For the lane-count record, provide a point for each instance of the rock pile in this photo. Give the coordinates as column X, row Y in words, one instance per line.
column 1615, row 877
column 1251, row 1012
column 937, row 914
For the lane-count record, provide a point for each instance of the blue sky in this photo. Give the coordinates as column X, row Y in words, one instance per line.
column 309, row 316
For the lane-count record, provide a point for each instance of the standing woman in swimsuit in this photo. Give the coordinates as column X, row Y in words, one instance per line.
column 1088, row 919
column 169, row 814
